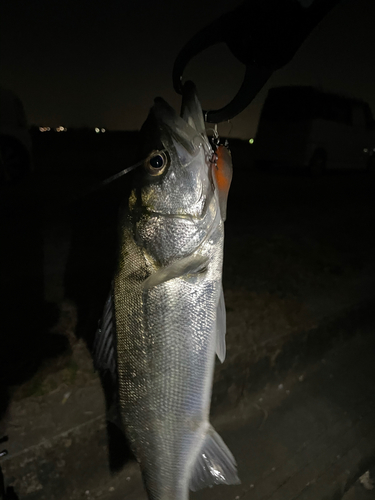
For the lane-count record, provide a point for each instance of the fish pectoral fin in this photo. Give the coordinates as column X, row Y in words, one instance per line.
column 221, row 328
column 215, row 463
column 193, row 264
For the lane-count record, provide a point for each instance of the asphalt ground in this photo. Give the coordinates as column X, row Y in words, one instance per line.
column 310, row 437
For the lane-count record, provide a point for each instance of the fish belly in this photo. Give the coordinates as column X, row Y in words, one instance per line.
column 166, row 342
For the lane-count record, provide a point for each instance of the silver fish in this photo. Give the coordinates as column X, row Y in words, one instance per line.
column 165, row 317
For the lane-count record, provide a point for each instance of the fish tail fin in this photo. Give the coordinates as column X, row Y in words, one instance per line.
column 215, row 464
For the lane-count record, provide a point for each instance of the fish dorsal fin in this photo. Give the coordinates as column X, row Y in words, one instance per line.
column 104, row 349
column 105, row 361
column 193, row 264
column 222, row 173
column 215, row 463
column 221, row 327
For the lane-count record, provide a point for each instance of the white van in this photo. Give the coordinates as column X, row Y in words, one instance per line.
column 305, row 127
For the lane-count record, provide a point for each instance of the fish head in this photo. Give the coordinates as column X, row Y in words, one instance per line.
column 175, row 178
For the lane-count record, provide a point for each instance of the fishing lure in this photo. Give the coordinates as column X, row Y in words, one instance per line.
column 222, row 169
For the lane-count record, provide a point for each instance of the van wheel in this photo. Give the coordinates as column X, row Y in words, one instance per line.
column 317, row 163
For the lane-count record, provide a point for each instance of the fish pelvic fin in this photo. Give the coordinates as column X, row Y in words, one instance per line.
column 215, row 463
column 221, row 328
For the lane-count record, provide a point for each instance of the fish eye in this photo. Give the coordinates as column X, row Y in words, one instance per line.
column 156, row 162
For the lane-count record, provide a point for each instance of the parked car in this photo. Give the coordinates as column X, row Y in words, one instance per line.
column 306, row 127
column 15, row 140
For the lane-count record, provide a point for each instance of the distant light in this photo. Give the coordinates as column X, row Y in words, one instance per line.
column 97, row 130
column 251, row 141
column 103, row 130
column 65, row 129
column 365, row 150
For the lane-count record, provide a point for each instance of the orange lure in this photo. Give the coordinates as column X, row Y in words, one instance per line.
column 222, row 171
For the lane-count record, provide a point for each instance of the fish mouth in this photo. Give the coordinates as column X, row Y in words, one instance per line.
column 187, row 129
column 191, row 110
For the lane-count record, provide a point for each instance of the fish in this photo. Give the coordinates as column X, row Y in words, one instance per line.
column 165, row 318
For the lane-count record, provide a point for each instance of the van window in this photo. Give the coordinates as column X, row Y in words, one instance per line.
column 288, row 106
column 358, row 117
column 20, row 113
column 333, row 109
column 369, row 117
column 298, row 104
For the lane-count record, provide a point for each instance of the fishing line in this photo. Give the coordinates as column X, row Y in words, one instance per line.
column 120, row 174
column 102, row 184
column 230, row 123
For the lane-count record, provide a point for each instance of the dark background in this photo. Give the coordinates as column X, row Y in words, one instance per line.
column 101, row 63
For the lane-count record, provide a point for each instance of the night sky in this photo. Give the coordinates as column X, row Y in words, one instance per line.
column 101, row 63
